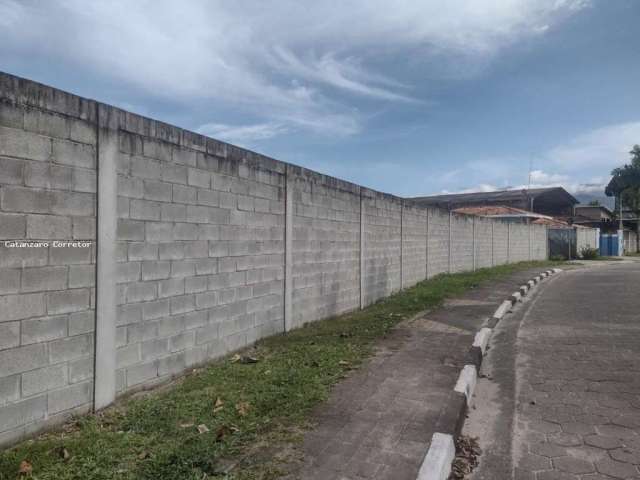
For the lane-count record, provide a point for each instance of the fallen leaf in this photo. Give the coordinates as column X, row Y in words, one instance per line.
column 235, row 358
column 343, row 362
column 219, row 405
column 143, row 455
column 202, row 428
column 248, row 359
column 186, row 425
column 25, row 468
column 242, row 408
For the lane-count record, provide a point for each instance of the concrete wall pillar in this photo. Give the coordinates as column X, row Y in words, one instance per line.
column 362, row 246
column 288, row 251
column 450, row 241
column 474, row 243
column 426, row 268
column 107, row 224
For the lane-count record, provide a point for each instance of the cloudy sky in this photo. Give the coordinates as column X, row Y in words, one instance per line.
column 409, row 97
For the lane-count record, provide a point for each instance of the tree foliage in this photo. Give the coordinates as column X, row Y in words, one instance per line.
column 626, row 181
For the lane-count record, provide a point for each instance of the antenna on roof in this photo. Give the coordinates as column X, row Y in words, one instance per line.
column 530, row 169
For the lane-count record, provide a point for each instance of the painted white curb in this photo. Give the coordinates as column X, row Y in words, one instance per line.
column 531, row 283
column 524, row 289
column 467, row 381
column 557, row 270
column 502, row 309
column 437, row 462
column 516, row 296
column 482, row 339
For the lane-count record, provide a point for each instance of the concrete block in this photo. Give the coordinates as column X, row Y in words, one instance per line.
column 158, row 191
column 182, row 268
column 141, row 292
column 198, row 178
column 11, row 115
column 158, row 232
column 144, row 210
column 21, row 413
column 82, row 276
column 141, row 373
column 182, row 194
column 172, row 364
column 210, row 198
column 12, row 226
column 80, row 370
column 81, row 322
column 173, row 213
column 183, row 156
column 467, row 381
column 155, row 309
column 185, row 231
column 171, row 288
column 130, row 187
column 182, row 341
column 182, row 304
column 22, row 359
column 72, row 153
column 192, row 284
column 206, row 300
column 68, row 255
column 82, row 131
column 128, row 314
column 70, row 397
column 198, row 214
column 25, row 200
column 37, row 279
column 48, row 227
column 128, row 355
column 9, row 280
column 219, row 216
column 171, row 251
column 145, row 168
column 127, row 272
column 47, row 175
column 206, row 266
column 481, row 339
column 156, row 270
column 207, row 333
column 437, row 462
column 195, row 319
column 9, row 335
column 43, row 379
column 9, row 389
column 27, row 145
column 17, row 307
column 130, row 230
column 196, row 249
column 154, row 348
column 84, row 228
column 70, row 348
column 11, row 171
column 142, row 251
column 67, row 301
column 45, row 123
column 44, row 329
column 174, row 173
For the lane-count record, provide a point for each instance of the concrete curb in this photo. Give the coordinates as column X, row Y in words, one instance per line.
column 437, row 462
column 438, row 459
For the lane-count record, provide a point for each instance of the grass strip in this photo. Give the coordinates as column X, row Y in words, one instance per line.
column 233, row 407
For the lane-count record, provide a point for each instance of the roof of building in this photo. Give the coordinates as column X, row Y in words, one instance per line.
column 503, row 211
column 601, row 207
column 558, row 193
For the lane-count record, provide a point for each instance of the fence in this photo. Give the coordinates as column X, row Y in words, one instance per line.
column 154, row 249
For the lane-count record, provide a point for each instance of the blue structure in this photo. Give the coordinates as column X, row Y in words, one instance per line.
column 610, row 245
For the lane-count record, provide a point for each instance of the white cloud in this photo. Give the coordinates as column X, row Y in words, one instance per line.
column 242, row 134
column 605, row 148
column 288, row 62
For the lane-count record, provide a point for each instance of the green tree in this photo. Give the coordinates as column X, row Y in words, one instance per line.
column 626, row 182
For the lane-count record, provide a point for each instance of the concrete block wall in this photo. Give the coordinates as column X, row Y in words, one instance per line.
column 462, row 243
column 47, row 296
column 519, row 242
column 201, row 248
column 325, row 244
column 501, row 234
column 381, row 217
column 438, row 242
column 414, row 245
column 200, row 253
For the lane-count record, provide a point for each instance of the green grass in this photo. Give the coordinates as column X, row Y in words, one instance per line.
column 263, row 404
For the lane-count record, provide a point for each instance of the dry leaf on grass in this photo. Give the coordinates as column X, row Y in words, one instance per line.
column 64, row 454
column 242, row 408
column 202, row 428
column 25, row 468
column 219, row 405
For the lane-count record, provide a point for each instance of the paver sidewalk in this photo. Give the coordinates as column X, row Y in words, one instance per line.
column 576, row 414
column 378, row 422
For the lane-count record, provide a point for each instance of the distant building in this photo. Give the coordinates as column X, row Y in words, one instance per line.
column 512, row 214
column 595, row 216
column 553, row 201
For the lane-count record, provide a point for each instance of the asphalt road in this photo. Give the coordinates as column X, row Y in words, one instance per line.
column 560, row 397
